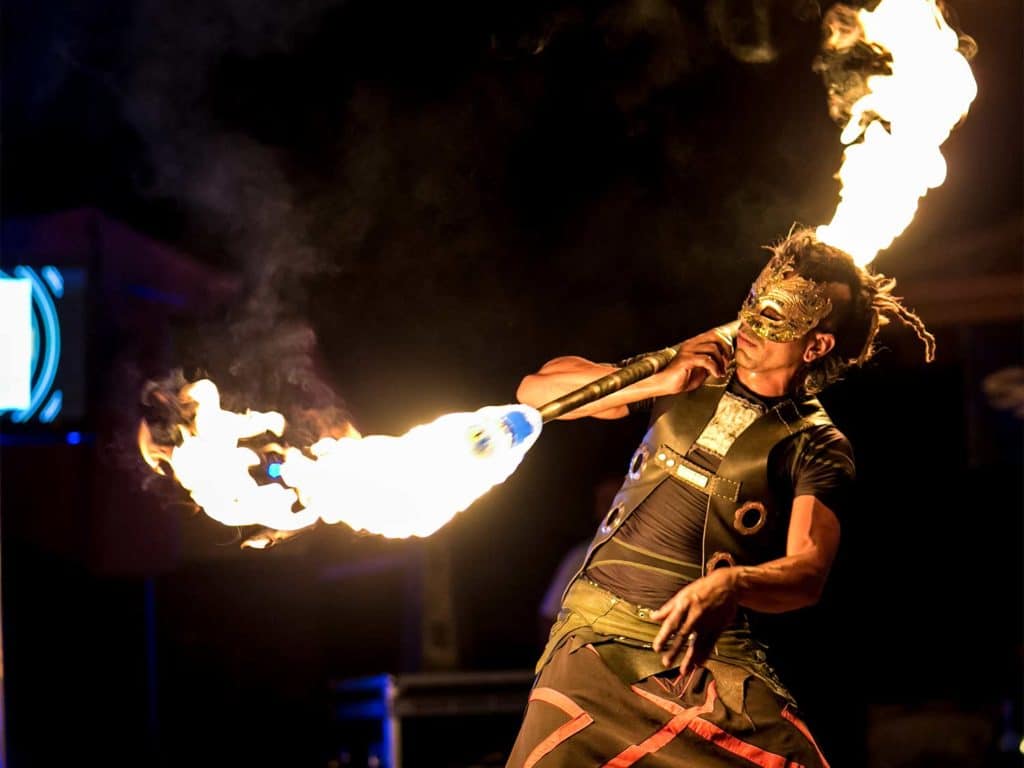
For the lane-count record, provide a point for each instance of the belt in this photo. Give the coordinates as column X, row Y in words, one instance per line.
column 623, row 633
column 596, row 614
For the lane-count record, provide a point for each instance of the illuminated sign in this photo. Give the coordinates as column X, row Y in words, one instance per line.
column 30, row 344
column 15, row 343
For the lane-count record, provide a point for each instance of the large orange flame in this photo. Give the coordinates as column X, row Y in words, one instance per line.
column 396, row 486
column 903, row 119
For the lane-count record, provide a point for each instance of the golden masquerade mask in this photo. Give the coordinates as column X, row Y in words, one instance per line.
column 782, row 305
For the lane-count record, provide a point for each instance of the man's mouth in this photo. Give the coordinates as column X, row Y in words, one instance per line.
column 743, row 340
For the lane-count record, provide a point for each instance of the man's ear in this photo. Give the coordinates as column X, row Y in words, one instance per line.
column 819, row 345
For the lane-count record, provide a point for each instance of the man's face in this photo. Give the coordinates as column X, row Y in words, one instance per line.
column 782, row 306
column 777, row 318
column 759, row 355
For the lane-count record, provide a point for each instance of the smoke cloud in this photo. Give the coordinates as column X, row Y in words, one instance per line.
column 452, row 179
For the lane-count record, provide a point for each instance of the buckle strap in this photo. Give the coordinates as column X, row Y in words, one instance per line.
column 696, row 476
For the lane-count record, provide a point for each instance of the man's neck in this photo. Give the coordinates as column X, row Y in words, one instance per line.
column 775, row 383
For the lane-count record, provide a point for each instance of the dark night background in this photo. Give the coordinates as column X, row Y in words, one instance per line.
column 399, row 210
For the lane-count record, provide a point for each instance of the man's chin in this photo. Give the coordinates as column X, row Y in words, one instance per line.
column 743, row 358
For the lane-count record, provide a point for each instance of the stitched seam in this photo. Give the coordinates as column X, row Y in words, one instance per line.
column 643, row 566
column 643, row 551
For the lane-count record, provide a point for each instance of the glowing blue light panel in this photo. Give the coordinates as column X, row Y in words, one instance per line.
column 16, row 343
column 39, row 306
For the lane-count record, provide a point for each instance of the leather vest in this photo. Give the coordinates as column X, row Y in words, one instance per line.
column 745, row 522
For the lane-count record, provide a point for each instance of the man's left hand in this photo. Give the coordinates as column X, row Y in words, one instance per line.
column 693, row 619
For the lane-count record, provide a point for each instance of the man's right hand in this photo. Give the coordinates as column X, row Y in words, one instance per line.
column 707, row 354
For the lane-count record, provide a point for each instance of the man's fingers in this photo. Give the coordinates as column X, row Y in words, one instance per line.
column 671, row 615
column 674, row 615
column 700, row 372
column 711, row 347
column 668, row 628
column 688, row 625
column 662, row 612
column 686, row 644
column 704, row 361
column 722, row 347
column 685, row 635
column 717, row 342
column 675, row 647
column 718, row 366
column 714, row 352
column 687, row 664
column 697, row 653
column 714, row 343
column 708, row 356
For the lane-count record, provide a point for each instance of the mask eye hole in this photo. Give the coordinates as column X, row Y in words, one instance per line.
column 771, row 313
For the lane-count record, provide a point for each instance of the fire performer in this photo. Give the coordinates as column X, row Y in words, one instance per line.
column 730, row 505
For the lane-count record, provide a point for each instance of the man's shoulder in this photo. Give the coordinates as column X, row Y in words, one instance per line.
column 820, row 424
column 826, row 434
column 822, row 442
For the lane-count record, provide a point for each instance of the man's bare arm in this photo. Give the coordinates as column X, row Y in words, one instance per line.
column 798, row 579
column 707, row 354
column 706, row 606
column 566, row 374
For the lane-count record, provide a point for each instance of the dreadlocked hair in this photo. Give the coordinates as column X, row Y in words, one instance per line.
column 854, row 321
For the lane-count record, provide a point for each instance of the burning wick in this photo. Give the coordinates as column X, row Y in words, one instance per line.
column 901, row 123
column 396, row 486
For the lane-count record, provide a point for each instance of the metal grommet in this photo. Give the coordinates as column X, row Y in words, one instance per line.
column 750, row 518
column 719, row 560
column 613, row 518
column 638, row 462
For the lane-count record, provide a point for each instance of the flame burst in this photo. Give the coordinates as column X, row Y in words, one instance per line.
column 903, row 119
column 395, row 486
